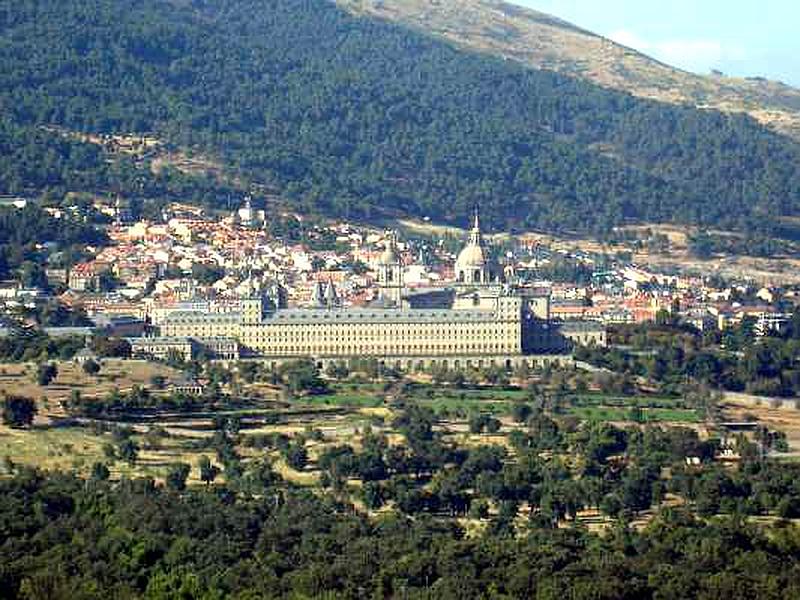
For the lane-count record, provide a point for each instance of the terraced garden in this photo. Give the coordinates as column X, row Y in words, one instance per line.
column 500, row 401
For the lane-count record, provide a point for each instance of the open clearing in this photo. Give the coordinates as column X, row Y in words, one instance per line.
column 19, row 378
column 775, row 414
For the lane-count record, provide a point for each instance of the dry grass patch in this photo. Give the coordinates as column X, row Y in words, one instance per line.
column 782, row 419
column 52, row 449
column 18, row 379
column 304, row 478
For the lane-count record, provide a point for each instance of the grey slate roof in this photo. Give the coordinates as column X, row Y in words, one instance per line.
column 358, row 315
column 349, row 315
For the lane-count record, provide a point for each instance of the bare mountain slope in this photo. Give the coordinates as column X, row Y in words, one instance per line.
column 542, row 41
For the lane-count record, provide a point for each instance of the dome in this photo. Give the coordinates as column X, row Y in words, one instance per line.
column 472, row 265
column 472, row 256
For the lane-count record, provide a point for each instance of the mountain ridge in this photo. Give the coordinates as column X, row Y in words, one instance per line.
column 360, row 118
column 543, row 41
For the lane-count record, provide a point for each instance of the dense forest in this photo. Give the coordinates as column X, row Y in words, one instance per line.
column 28, row 236
column 48, row 162
column 360, row 118
column 32, row 225
column 65, row 537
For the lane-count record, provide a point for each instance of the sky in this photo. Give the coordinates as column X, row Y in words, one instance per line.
column 738, row 37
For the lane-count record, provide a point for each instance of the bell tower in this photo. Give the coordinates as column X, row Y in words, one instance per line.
column 390, row 272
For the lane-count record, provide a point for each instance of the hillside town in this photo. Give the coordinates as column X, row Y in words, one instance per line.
column 192, row 260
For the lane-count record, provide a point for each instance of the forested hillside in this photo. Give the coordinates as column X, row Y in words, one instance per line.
column 64, row 537
column 544, row 41
column 360, row 118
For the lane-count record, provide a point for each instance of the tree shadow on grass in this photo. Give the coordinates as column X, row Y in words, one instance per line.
column 57, row 423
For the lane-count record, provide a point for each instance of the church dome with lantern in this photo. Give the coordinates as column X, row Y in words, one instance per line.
column 472, row 264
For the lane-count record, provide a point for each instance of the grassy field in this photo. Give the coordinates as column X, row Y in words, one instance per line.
column 598, row 399
column 498, row 402
column 457, row 405
column 653, row 409
column 77, row 448
column 438, row 404
column 648, row 415
column 19, row 379
column 345, row 399
column 51, row 448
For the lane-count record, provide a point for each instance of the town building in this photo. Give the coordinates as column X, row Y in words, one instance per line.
column 163, row 348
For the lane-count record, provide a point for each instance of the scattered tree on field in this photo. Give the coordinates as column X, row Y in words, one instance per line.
column 46, row 373
column 208, row 470
column 177, row 476
column 100, row 472
column 18, row 411
column 128, row 451
column 91, row 367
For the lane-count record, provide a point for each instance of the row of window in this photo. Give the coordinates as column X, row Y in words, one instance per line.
column 336, row 350
column 371, row 336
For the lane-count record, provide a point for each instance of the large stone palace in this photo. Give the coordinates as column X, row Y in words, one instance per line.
column 480, row 318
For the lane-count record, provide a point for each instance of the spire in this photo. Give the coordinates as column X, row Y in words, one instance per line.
column 331, row 297
column 318, row 296
column 475, row 238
